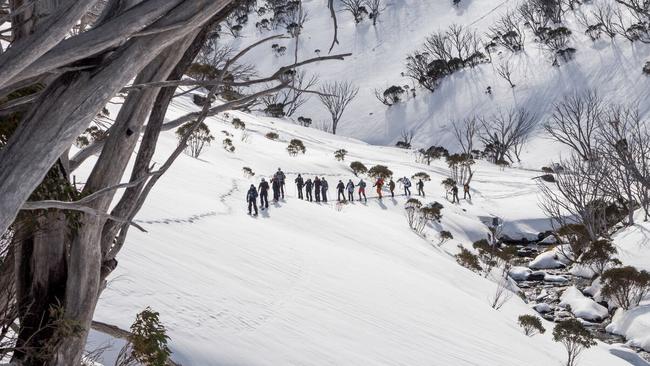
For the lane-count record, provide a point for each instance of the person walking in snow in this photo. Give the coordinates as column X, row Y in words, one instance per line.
column 350, row 188
column 379, row 184
column 407, row 186
column 279, row 175
column 391, row 187
column 264, row 194
column 308, row 186
column 299, row 184
column 251, row 198
column 275, row 186
column 340, row 191
column 466, row 192
column 362, row 190
column 323, row 189
column 420, row 186
column 454, row 192
column 317, row 188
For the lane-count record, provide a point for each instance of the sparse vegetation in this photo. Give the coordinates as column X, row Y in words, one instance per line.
column 198, row 139
column 531, row 324
column 296, row 147
column 340, row 154
column 380, row 171
column 574, row 337
column 468, row 259
column 272, row 135
column 358, row 168
column 625, row 286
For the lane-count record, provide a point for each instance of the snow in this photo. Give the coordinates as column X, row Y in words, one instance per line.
column 542, row 308
column 320, row 284
column 633, row 324
column 550, row 259
column 582, row 306
column 519, row 273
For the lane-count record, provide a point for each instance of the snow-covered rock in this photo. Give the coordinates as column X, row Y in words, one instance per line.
column 555, row 278
column 582, row 306
column 546, row 260
column 543, row 308
column 519, row 273
column 548, row 240
column 634, row 325
column 581, row 270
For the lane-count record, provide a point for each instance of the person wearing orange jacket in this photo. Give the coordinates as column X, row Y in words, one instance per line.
column 379, row 184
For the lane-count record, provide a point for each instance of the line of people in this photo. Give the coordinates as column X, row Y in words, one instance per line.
column 319, row 187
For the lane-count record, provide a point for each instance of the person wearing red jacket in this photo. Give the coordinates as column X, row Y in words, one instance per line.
column 379, row 184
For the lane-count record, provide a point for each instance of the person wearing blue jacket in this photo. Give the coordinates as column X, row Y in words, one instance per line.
column 251, row 198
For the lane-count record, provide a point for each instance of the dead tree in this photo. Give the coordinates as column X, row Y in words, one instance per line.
column 374, row 9
column 503, row 131
column 356, row 8
column 575, row 122
column 504, row 69
column 336, row 96
column 466, row 132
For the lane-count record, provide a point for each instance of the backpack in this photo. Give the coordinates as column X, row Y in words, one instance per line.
column 407, row 183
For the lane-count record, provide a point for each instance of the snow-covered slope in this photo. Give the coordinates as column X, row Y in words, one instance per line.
column 612, row 68
column 321, row 284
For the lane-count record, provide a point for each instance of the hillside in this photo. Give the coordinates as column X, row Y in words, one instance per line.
column 321, row 284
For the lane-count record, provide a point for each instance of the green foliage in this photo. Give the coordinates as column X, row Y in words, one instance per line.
column 238, row 124
column 380, row 171
column 272, row 135
column 199, row 137
column 358, row 168
column 575, row 338
column 625, row 286
column 201, row 71
column 599, row 256
column 275, row 110
column 149, row 339
column 494, row 255
column 432, row 153
column 468, row 259
column 304, row 121
column 531, row 324
column 448, row 183
column 295, row 147
column 227, row 145
column 445, row 236
column 340, row 154
column 92, row 134
column 421, row 175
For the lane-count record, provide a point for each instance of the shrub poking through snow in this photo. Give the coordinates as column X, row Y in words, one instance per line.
column 574, row 337
column 358, row 168
column 227, row 145
column 412, row 207
column 494, row 255
column 304, row 121
column 419, row 215
column 391, row 95
column 147, row 343
column 248, row 172
column 92, row 134
column 531, row 324
column 432, row 153
column 646, row 68
column 421, row 175
column 625, row 286
column 468, row 259
column 340, row 154
column 238, row 124
column 448, row 183
column 199, row 138
column 272, row 136
column 444, row 237
column 599, row 256
column 296, row 147
column 380, row 171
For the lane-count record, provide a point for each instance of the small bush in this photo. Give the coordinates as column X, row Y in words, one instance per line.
column 147, row 342
column 295, row 147
column 380, row 171
column 272, row 136
column 227, row 145
column 646, row 68
column 391, row 95
column 547, row 170
column 444, row 237
column 625, row 286
column 549, row 178
column 198, row 139
column 92, row 134
column 340, row 154
column 468, row 259
column 412, row 207
column 358, row 168
column 248, row 172
column 531, row 324
column 448, row 183
column 421, row 175
column 599, row 256
column 238, row 124
column 304, row 121
column 575, row 338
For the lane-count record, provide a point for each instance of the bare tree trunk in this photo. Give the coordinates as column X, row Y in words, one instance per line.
column 71, row 102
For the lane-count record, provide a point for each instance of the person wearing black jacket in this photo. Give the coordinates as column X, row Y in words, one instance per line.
column 264, row 194
column 251, row 198
column 299, row 184
column 275, row 186
column 323, row 189
column 340, row 189
column 317, row 188
column 308, row 186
